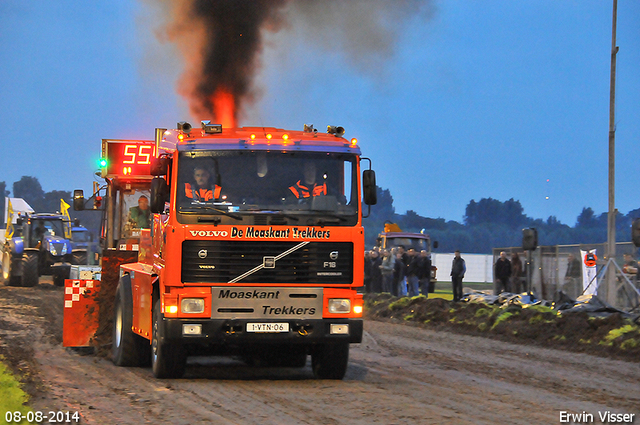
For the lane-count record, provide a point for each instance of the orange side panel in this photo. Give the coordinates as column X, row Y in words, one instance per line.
column 80, row 318
column 142, row 287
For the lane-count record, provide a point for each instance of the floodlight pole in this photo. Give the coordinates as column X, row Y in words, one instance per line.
column 611, row 222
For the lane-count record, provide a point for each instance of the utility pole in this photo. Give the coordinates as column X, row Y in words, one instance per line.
column 611, row 222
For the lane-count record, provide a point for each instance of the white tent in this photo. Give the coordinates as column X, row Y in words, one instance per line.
column 18, row 205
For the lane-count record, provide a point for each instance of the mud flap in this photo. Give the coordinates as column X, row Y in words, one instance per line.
column 81, row 317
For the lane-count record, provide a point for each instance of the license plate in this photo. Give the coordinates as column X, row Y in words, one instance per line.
column 268, row 327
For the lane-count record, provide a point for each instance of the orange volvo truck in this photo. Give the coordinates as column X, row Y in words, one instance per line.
column 255, row 250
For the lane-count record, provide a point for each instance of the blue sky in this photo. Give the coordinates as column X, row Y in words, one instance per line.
column 472, row 100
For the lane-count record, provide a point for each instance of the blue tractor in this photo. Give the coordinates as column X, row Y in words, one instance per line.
column 39, row 247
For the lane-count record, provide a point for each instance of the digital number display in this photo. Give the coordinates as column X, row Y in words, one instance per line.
column 128, row 158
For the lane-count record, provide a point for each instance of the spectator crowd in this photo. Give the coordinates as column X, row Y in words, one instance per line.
column 397, row 271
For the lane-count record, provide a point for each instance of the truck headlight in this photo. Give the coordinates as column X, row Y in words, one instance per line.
column 340, row 305
column 192, row 305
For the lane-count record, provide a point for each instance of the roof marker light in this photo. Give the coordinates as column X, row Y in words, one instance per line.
column 253, row 137
column 269, row 136
column 285, row 137
column 354, row 141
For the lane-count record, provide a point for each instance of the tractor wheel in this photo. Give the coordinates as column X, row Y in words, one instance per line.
column 127, row 348
column 30, row 269
column 330, row 361
column 10, row 266
column 167, row 360
column 79, row 258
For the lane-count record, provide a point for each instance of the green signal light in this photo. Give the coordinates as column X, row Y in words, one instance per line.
column 103, row 163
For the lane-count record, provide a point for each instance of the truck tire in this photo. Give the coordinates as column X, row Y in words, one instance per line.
column 330, row 361
column 127, row 348
column 30, row 269
column 10, row 266
column 167, row 360
column 79, row 258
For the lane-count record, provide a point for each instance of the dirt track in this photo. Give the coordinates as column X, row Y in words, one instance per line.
column 399, row 374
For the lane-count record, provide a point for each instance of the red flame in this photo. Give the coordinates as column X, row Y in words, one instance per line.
column 224, row 108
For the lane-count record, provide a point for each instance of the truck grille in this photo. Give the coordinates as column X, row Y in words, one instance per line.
column 226, row 261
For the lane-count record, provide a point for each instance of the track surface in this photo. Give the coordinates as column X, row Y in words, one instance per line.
column 399, row 374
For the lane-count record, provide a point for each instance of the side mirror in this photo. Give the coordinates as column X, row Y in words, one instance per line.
column 78, row 200
column 369, row 187
column 159, row 195
column 160, row 166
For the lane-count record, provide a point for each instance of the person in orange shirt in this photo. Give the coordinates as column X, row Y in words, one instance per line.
column 201, row 189
column 309, row 187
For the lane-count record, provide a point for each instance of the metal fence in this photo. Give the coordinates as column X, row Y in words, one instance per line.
column 549, row 266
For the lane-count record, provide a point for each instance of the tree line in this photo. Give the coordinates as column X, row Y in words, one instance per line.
column 490, row 223
column 30, row 189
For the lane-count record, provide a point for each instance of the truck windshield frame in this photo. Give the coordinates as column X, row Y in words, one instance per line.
column 293, row 186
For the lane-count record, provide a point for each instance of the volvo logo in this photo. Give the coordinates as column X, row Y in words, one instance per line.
column 202, row 253
column 334, row 255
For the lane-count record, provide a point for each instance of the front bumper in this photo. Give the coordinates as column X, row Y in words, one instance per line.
column 233, row 331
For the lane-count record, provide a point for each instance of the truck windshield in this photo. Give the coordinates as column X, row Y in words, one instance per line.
column 238, row 183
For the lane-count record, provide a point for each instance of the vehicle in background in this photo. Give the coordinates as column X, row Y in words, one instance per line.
column 393, row 237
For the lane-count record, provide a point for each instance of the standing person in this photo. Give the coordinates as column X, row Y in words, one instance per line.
column 412, row 274
column 458, row 269
column 376, row 273
column 387, row 267
column 516, row 272
column 424, row 272
column 502, row 273
column 401, row 287
column 367, row 271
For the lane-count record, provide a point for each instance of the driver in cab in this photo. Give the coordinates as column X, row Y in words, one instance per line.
column 201, row 189
column 307, row 187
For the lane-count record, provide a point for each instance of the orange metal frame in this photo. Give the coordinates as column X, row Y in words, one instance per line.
column 160, row 249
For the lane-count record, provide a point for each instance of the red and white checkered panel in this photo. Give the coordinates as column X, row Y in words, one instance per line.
column 81, row 312
column 73, row 292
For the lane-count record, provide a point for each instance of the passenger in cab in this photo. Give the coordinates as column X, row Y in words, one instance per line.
column 201, row 189
column 307, row 186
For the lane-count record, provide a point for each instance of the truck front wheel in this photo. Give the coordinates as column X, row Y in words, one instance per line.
column 167, row 360
column 330, row 361
column 128, row 348
column 30, row 269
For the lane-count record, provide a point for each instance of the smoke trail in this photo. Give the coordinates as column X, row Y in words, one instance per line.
column 221, row 41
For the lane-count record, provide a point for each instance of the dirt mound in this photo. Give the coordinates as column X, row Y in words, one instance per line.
column 612, row 336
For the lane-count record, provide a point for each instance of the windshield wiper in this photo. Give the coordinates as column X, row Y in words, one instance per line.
column 206, row 208
column 322, row 220
column 273, row 212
